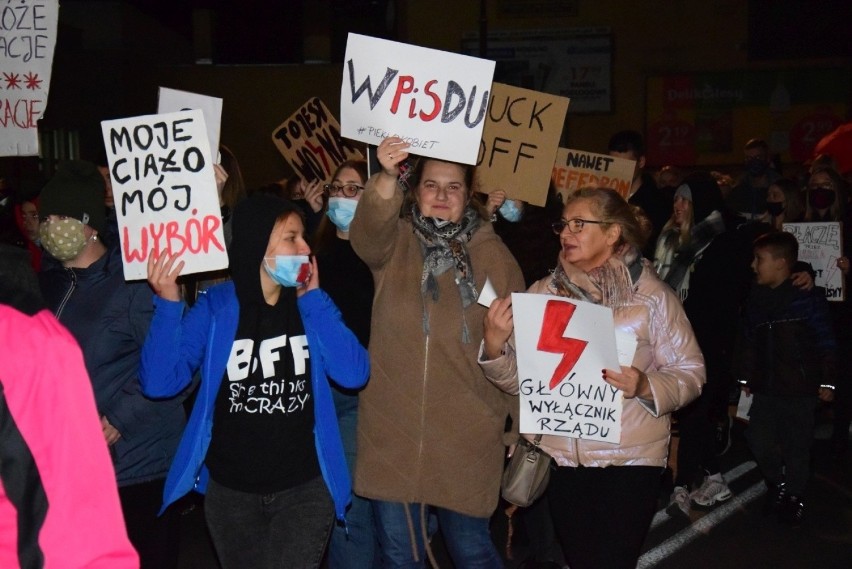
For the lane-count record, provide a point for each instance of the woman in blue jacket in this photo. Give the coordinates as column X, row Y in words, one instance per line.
column 262, row 440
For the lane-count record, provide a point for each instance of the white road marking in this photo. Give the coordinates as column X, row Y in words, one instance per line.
column 730, row 476
column 700, row 527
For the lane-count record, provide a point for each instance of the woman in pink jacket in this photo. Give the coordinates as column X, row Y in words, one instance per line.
column 603, row 495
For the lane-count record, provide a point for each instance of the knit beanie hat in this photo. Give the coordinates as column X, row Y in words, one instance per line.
column 705, row 194
column 76, row 190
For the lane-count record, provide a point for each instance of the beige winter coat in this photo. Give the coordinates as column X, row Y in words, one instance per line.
column 667, row 352
column 430, row 426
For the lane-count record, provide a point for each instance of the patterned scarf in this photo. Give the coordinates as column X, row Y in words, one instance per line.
column 445, row 245
column 674, row 264
column 610, row 285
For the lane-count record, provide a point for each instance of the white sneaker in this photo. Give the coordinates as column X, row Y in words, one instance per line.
column 710, row 492
column 679, row 503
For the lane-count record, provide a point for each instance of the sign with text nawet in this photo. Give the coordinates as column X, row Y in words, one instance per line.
column 562, row 346
column 27, row 42
column 311, row 143
column 434, row 100
column 575, row 169
column 519, row 142
column 165, row 191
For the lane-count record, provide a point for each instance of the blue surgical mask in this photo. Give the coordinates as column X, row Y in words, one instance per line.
column 341, row 211
column 511, row 212
column 289, row 270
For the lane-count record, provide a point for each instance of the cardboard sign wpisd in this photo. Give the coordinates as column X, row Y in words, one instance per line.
column 821, row 244
column 311, row 143
column 562, row 346
column 165, row 192
column 27, row 42
column 575, row 169
column 519, row 142
column 434, row 100
column 171, row 100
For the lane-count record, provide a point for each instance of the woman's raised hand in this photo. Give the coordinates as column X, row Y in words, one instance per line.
column 313, row 195
column 498, row 326
column 313, row 280
column 391, row 152
column 163, row 274
column 632, row 381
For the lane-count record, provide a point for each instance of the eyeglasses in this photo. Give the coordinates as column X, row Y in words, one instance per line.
column 348, row 190
column 33, row 216
column 574, row 225
column 826, row 188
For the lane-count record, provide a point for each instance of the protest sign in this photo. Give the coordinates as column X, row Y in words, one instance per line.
column 434, row 100
column 310, row 141
column 562, row 346
column 171, row 100
column 519, row 142
column 165, row 191
column 27, row 42
column 575, row 169
column 821, row 244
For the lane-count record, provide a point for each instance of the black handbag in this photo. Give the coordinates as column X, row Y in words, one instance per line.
column 527, row 474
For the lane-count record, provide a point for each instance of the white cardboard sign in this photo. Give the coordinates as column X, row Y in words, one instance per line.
column 171, row 100
column 27, row 42
column 165, row 191
column 562, row 346
column 821, row 244
column 434, row 100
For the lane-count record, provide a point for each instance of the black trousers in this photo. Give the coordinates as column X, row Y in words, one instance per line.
column 601, row 515
column 156, row 539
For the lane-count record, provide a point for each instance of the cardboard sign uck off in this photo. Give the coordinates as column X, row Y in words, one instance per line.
column 562, row 346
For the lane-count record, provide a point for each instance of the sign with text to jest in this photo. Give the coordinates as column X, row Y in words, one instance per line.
column 562, row 346
column 27, row 42
column 519, row 142
column 165, row 191
column 575, row 169
column 434, row 100
column 311, row 143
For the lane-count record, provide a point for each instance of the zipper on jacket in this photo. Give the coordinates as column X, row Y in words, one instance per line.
column 423, row 403
column 67, row 293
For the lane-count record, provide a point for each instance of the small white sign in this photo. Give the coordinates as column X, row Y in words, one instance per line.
column 434, row 100
column 821, row 244
column 562, row 347
column 171, row 100
column 165, row 191
column 488, row 294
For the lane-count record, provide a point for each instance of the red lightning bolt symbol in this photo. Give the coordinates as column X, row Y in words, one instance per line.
column 557, row 315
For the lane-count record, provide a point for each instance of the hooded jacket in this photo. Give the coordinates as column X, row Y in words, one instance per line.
column 430, row 426
column 109, row 317
column 668, row 354
column 179, row 344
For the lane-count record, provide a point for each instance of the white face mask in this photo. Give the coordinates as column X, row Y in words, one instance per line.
column 341, row 211
column 64, row 239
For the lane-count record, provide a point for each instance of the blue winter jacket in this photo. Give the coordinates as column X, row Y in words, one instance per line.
column 177, row 346
column 109, row 317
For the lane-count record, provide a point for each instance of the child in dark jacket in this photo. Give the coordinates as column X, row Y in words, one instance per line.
column 788, row 357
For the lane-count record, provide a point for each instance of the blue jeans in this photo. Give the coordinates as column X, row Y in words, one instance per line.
column 467, row 538
column 359, row 548
column 281, row 530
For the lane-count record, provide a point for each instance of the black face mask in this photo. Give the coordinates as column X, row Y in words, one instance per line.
column 756, row 166
column 821, row 198
column 775, row 208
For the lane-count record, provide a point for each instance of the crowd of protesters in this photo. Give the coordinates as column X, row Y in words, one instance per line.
column 353, row 300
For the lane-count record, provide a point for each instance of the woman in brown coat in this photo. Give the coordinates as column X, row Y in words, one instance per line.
column 431, row 427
